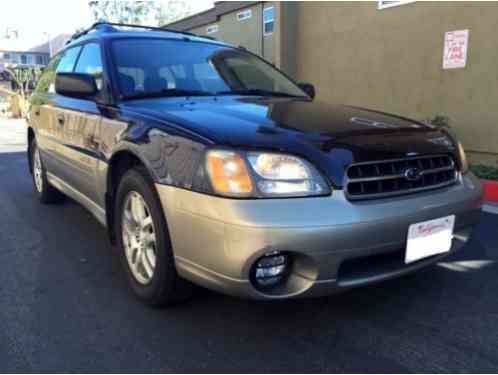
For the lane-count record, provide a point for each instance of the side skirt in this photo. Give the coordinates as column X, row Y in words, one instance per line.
column 91, row 206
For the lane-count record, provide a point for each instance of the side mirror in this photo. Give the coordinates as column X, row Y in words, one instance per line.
column 76, row 85
column 308, row 88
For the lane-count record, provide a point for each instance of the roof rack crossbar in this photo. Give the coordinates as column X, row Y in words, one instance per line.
column 96, row 25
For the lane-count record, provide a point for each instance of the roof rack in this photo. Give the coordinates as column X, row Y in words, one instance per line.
column 109, row 27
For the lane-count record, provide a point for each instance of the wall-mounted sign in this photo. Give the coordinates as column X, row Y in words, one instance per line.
column 455, row 49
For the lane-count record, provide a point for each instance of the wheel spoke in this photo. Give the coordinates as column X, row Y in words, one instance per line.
column 137, row 209
column 150, row 255
column 150, row 239
column 144, row 260
column 146, row 223
column 129, row 223
column 132, row 250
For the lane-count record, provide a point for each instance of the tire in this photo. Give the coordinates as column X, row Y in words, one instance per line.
column 46, row 193
column 140, row 258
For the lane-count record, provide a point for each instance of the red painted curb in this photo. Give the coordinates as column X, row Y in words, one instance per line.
column 490, row 190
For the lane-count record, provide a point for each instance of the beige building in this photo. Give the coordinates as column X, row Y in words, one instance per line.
column 386, row 55
column 245, row 23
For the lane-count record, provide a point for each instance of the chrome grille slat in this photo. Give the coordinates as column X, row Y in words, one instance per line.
column 379, row 179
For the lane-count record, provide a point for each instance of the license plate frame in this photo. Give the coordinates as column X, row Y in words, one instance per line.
column 428, row 238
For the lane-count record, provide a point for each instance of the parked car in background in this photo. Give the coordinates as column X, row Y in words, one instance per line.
column 209, row 166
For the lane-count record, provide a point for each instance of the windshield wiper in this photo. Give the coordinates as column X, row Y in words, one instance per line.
column 259, row 92
column 166, row 93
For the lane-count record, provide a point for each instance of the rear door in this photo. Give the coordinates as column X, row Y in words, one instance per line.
column 81, row 120
column 42, row 114
column 45, row 112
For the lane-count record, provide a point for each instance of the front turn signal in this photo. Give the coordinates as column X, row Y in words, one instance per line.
column 228, row 173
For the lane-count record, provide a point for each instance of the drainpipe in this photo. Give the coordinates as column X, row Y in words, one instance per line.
column 262, row 32
column 284, row 36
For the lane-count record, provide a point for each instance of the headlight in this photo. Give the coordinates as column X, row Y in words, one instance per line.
column 263, row 175
column 463, row 158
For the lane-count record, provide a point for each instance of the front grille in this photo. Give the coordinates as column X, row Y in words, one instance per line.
column 402, row 176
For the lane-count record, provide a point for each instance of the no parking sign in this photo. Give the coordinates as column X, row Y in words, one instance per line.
column 455, row 49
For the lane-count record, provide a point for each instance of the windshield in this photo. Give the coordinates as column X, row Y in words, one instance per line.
column 160, row 67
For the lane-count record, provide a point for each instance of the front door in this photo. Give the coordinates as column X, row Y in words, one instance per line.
column 80, row 120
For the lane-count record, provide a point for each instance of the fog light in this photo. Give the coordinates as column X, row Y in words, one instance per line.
column 270, row 269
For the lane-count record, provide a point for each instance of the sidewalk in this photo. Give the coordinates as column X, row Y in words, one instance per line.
column 12, row 135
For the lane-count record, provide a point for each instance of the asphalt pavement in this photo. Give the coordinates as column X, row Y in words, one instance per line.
column 65, row 306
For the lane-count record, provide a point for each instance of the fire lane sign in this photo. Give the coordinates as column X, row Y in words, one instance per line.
column 455, row 49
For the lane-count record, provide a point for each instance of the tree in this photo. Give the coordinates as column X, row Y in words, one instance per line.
column 169, row 11
column 23, row 80
column 149, row 12
column 133, row 12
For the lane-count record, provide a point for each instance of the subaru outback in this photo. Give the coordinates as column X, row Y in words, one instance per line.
column 209, row 166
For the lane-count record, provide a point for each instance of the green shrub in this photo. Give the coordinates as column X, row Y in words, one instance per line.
column 440, row 120
column 485, row 171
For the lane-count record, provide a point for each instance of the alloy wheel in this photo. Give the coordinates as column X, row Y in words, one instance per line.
column 37, row 171
column 139, row 238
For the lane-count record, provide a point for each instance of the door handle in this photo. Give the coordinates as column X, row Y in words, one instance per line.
column 61, row 119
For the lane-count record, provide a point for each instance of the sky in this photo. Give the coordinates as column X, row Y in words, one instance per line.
column 35, row 19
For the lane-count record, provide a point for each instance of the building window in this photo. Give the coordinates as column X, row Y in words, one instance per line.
column 212, row 29
column 39, row 60
column 244, row 15
column 383, row 4
column 24, row 59
column 6, row 56
column 268, row 21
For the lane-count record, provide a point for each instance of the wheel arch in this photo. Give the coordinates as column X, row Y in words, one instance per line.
column 118, row 165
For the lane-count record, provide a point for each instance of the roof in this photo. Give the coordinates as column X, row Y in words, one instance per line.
column 20, row 45
column 209, row 16
column 17, row 45
column 56, row 44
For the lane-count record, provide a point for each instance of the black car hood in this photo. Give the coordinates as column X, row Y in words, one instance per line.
column 330, row 136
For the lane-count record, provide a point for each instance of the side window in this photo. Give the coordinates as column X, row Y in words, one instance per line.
column 90, row 62
column 68, row 60
column 46, row 83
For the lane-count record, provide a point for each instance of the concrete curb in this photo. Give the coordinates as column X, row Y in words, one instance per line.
column 490, row 208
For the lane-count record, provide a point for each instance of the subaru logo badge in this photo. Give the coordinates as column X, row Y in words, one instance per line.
column 412, row 174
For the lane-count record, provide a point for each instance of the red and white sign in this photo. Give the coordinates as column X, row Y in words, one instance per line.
column 429, row 238
column 455, row 49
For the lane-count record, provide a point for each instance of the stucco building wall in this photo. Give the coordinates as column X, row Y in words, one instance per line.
column 391, row 59
column 247, row 33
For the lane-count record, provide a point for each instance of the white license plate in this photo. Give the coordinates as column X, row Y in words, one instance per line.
column 429, row 238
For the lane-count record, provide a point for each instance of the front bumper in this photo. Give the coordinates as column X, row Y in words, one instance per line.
column 335, row 244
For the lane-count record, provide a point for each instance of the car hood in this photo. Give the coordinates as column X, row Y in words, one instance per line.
column 330, row 136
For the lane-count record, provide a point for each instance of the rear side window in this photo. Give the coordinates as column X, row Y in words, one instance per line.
column 68, row 60
column 90, row 62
